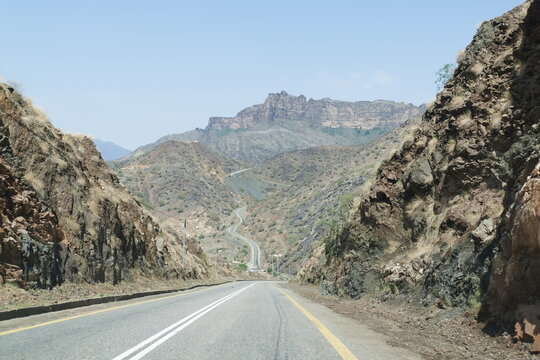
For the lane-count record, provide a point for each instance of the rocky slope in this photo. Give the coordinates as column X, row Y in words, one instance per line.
column 65, row 216
column 286, row 123
column 452, row 217
column 181, row 180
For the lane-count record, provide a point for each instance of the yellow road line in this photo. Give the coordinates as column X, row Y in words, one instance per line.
column 332, row 339
column 99, row 312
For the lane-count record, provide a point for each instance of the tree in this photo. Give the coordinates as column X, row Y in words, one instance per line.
column 444, row 74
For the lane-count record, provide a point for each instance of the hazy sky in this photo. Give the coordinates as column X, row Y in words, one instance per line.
column 132, row 71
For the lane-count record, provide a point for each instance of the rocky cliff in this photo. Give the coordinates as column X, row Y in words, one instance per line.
column 65, row 216
column 319, row 113
column 285, row 123
column 452, row 217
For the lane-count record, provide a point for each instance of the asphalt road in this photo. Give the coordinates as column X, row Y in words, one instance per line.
column 237, row 172
column 243, row 320
column 254, row 263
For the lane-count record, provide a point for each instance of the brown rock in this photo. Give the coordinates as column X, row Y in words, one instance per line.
column 535, row 348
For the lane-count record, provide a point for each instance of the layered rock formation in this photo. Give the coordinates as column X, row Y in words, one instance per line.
column 452, row 216
column 318, row 113
column 65, row 216
column 285, row 123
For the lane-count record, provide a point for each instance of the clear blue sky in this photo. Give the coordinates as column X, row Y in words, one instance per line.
column 132, row 71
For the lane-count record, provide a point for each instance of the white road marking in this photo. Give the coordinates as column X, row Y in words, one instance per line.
column 175, row 328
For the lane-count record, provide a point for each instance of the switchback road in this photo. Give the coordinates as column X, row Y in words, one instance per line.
column 254, row 264
column 242, row 320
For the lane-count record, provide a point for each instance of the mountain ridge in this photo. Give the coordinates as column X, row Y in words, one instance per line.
column 286, row 123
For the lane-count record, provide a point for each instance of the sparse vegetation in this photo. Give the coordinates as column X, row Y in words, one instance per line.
column 444, row 74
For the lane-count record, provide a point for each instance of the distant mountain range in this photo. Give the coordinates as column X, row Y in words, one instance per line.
column 109, row 150
column 285, row 123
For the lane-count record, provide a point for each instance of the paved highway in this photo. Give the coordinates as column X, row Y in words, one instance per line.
column 242, row 320
column 254, row 264
column 237, row 172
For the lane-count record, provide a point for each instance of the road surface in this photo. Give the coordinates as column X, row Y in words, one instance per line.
column 255, row 259
column 242, row 320
column 237, row 172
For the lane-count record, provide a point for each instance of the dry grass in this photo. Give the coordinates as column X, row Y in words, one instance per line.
column 465, row 121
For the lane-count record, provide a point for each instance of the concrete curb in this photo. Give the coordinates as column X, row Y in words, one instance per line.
column 36, row 310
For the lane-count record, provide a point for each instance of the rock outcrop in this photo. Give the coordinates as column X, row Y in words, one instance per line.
column 65, row 216
column 326, row 112
column 452, row 217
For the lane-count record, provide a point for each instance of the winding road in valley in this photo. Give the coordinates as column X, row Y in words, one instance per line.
column 255, row 258
column 254, row 264
column 239, row 320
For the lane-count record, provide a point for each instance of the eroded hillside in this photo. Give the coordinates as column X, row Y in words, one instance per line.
column 65, row 216
column 452, row 216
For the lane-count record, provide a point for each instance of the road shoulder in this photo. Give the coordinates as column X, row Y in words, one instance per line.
column 360, row 339
column 431, row 332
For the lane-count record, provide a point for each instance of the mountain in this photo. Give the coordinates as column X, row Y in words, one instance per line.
column 452, row 218
column 64, row 216
column 285, row 123
column 109, row 150
column 181, row 180
column 318, row 113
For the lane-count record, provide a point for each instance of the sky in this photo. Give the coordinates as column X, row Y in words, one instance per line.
column 133, row 71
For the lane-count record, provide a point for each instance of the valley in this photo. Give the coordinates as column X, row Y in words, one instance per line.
column 297, row 228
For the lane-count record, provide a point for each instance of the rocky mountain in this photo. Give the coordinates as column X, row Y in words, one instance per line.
column 318, row 113
column 181, row 180
column 452, row 218
column 66, row 217
column 109, row 150
column 285, row 123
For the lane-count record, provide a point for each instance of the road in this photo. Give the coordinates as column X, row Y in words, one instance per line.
column 242, row 320
column 237, row 172
column 255, row 259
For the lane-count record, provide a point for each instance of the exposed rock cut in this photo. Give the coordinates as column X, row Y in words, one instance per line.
column 65, row 216
column 452, row 216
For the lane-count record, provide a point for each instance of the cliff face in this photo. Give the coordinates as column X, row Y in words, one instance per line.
column 452, row 216
column 319, row 113
column 81, row 224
